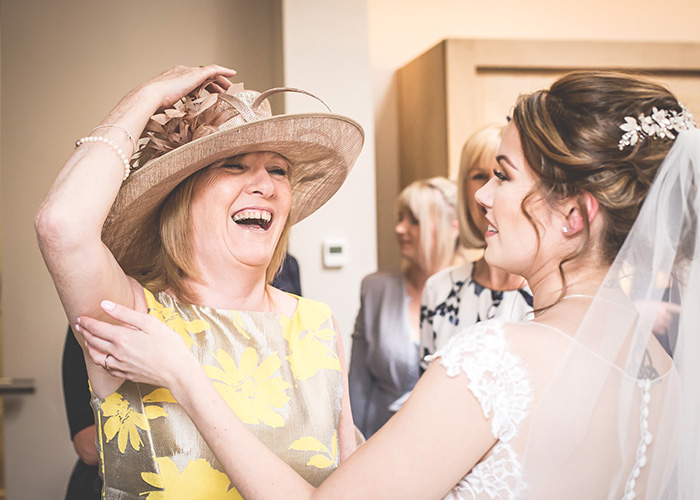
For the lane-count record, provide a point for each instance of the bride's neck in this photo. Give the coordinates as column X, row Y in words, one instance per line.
column 582, row 280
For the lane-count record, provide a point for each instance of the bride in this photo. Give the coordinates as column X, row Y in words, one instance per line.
column 595, row 202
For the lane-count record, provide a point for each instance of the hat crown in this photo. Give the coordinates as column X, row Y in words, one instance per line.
column 201, row 113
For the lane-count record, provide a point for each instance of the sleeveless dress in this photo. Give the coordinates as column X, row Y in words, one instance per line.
column 280, row 375
column 509, row 393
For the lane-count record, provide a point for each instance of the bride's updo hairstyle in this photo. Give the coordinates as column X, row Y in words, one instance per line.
column 571, row 138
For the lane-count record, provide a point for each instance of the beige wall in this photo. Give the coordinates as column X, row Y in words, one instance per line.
column 326, row 51
column 400, row 30
column 63, row 65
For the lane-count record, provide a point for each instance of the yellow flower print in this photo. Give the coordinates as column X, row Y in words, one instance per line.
column 250, row 389
column 158, row 396
column 238, row 322
column 197, row 481
column 304, row 335
column 171, row 318
column 124, row 421
column 329, row 457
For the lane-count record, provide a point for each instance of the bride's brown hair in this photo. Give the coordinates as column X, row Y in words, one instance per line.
column 570, row 137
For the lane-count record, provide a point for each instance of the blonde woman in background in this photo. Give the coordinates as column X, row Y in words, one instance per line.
column 384, row 362
column 473, row 291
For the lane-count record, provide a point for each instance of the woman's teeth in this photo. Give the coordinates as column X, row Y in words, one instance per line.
column 492, row 229
column 260, row 218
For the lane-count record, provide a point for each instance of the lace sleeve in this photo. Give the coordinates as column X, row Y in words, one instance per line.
column 496, row 376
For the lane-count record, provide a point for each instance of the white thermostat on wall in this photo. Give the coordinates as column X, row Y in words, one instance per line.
column 335, row 252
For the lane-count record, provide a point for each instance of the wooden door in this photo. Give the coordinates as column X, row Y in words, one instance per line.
column 457, row 86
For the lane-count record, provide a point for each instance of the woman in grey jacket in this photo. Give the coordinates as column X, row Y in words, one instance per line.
column 384, row 362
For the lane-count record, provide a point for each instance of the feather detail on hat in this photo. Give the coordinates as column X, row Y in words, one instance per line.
column 196, row 115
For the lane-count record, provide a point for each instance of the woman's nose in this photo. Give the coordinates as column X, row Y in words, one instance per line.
column 261, row 183
column 484, row 195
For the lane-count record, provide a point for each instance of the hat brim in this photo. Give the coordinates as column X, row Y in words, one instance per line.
column 322, row 149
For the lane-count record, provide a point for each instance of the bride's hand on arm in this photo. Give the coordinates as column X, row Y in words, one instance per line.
column 145, row 350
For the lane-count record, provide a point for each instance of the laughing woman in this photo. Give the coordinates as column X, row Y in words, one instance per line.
column 595, row 202
column 192, row 232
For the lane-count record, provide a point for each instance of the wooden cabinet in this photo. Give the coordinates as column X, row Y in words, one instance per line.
column 457, row 86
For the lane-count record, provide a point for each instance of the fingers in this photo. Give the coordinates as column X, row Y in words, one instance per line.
column 176, row 82
column 214, row 71
column 99, row 351
column 94, row 341
column 223, row 82
column 128, row 316
column 219, row 84
column 215, row 88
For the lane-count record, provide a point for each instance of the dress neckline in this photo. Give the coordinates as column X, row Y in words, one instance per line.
column 220, row 310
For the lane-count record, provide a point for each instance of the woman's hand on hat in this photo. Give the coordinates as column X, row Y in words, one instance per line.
column 142, row 349
column 172, row 84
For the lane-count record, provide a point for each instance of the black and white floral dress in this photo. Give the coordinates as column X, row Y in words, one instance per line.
column 452, row 300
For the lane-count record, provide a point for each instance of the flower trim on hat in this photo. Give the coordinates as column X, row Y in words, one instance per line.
column 196, row 115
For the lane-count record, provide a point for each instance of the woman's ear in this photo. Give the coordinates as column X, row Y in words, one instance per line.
column 574, row 219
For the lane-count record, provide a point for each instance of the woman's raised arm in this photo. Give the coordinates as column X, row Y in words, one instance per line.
column 69, row 221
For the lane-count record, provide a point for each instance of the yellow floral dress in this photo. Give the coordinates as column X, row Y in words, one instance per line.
column 280, row 375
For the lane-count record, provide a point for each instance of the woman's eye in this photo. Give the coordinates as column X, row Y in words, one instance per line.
column 481, row 176
column 233, row 166
column 410, row 218
column 278, row 171
column 500, row 175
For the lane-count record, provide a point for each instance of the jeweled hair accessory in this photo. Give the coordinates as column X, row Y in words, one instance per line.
column 659, row 125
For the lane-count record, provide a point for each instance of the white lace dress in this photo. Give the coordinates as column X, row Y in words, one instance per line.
column 505, row 384
column 500, row 383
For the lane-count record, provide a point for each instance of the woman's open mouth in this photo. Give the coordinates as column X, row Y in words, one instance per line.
column 253, row 219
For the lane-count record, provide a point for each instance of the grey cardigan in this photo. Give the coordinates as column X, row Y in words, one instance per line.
column 384, row 360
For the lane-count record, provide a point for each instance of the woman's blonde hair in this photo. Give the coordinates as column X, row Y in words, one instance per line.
column 174, row 263
column 433, row 203
column 480, row 146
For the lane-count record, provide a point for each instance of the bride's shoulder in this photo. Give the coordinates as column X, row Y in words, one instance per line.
column 529, row 335
column 500, row 331
column 495, row 339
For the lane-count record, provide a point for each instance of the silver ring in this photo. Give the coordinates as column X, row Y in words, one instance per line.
column 109, row 370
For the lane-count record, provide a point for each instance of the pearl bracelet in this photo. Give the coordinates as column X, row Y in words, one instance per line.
column 112, row 145
column 128, row 134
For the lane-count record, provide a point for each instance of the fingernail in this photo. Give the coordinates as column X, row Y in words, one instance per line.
column 107, row 305
column 77, row 326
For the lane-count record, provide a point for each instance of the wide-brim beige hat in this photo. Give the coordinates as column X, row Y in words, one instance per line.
column 321, row 148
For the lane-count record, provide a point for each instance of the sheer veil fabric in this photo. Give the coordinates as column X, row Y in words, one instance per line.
column 621, row 415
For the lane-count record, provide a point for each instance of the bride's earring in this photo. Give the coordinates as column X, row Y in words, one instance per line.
column 565, row 229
